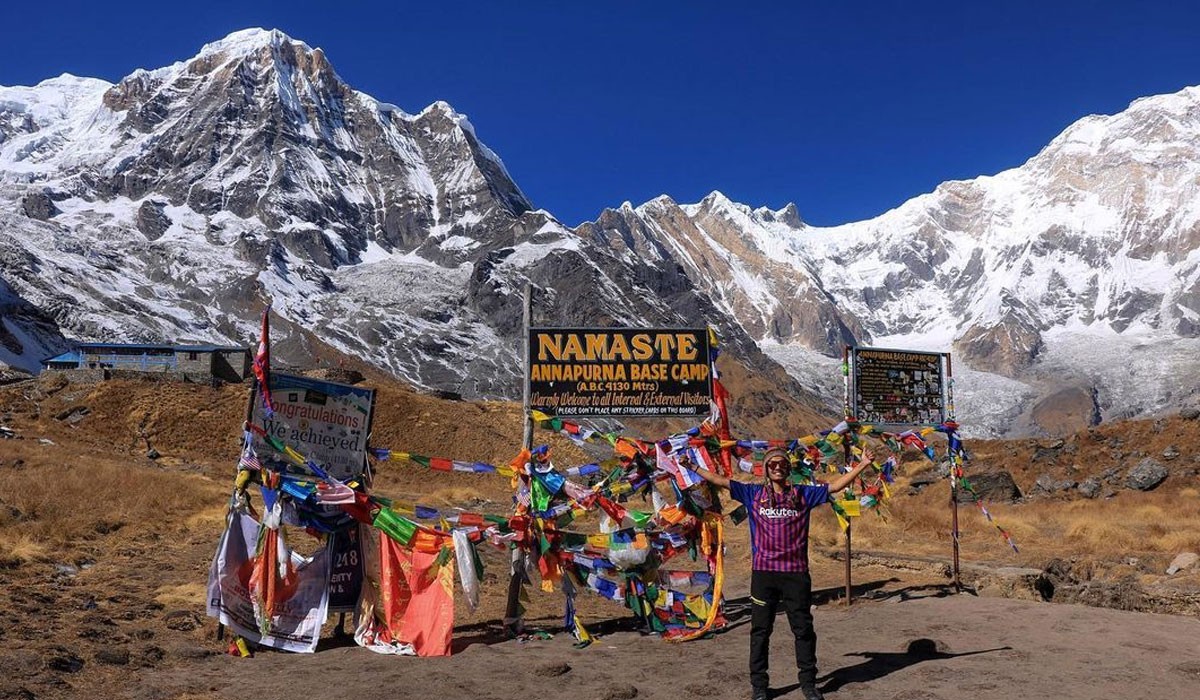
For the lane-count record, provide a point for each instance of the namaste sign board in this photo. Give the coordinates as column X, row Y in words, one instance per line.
column 620, row 371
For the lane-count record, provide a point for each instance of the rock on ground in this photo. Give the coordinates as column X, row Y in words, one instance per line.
column 1146, row 475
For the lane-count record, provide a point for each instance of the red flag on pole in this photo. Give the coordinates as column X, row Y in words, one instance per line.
column 262, row 361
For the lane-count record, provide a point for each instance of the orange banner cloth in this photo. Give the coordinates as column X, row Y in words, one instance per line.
column 416, row 597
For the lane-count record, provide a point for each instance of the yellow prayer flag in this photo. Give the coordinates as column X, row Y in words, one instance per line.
column 851, row 507
column 845, row 524
column 697, row 606
column 538, row 415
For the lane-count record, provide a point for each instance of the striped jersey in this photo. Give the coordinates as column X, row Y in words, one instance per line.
column 779, row 526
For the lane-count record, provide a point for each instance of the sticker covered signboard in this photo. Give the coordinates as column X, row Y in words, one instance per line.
column 897, row 387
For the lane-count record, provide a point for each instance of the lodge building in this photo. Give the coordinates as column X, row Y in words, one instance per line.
column 195, row 363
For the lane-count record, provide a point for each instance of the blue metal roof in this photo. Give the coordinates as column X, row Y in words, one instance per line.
column 160, row 347
column 68, row 356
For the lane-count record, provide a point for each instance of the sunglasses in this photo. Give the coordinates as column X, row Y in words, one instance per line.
column 778, row 464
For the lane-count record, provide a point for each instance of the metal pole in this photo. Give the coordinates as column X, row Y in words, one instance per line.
column 849, row 523
column 513, row 623
column 954, row 533
column 249, row 416
column 528, row 437
column 949, row 395
column 849, row 599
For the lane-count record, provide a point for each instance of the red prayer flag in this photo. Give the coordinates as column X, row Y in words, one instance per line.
column 262, row 361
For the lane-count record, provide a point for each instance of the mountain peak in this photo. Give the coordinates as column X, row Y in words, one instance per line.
column 788, row 215
column 443, row 108
column 246, row 41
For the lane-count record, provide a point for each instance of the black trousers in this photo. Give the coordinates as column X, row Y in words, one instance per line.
column 769, row 590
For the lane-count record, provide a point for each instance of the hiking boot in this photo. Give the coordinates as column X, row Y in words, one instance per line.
column 760, row 694
column 810, row 692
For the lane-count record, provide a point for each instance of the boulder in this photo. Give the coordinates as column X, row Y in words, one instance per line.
column 1044, row 453
column 1182, row 561
column 1146, row 475
column 1190, row 413
column 152, row 219
column 1090, row 488
column 925, row 478
column 39, row 205
column 113, row 657
column 997, row 486
column 1172, row 452
column 1048, row 484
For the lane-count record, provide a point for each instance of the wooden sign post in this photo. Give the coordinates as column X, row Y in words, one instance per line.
column 513, row 623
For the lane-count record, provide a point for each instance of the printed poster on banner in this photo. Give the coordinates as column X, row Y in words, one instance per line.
column 346, row 569
column 898, row 387
column 619, row 371
column 300, row 603
column 325, row 421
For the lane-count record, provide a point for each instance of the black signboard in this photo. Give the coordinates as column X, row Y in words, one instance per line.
column 345, row 569
column 620, row 371
column 897, row 387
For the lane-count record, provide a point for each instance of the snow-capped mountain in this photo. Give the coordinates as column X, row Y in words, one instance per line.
column 1078, row 272
column 172, row 204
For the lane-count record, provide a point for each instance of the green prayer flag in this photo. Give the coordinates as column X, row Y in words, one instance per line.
column 397, row 527
column 541, row 496
column 574, row 539
column 477, row 562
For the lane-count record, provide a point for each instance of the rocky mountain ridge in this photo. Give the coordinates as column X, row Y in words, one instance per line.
column 174, row 203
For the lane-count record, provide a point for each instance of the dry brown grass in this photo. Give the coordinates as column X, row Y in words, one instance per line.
column 69, row 500
column 452, row 496
column 1163, row 522
column 187, row 595
column 17, row 548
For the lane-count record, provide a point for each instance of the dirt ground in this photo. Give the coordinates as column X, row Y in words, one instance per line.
column 918, row 643
column 104, row 554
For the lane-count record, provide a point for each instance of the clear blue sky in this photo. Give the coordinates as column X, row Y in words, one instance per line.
column 847, row 108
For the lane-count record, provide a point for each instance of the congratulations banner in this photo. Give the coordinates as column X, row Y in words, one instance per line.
column 620, row 371
column 329, row 422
